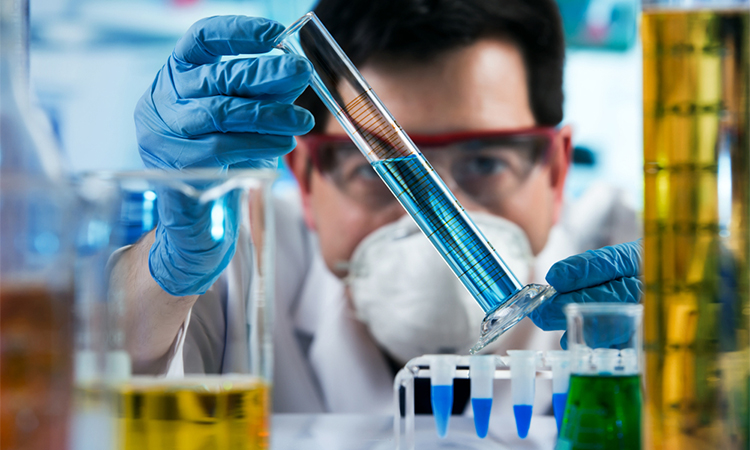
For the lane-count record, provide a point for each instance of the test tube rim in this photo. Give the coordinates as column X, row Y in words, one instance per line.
column 313, row 18
column 627, row 309
column 293, row 28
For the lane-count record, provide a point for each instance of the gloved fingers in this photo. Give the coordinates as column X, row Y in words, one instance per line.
column 211, row 150
column 220, row 114
column 550, row 316
column 596, row 267
column 281, row 78
column 210, row 38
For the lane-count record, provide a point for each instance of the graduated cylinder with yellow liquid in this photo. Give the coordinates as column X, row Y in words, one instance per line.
column 696, row 127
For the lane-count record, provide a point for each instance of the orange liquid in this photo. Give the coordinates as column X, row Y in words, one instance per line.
column 35, row 367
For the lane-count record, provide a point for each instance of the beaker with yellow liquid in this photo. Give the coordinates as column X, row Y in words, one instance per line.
column 696, row 127
column 212, row 387
column 221, row 412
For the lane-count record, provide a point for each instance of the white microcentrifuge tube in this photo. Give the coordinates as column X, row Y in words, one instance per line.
column 442, row 372
column 522, row 383
column 559, row 362
column 482, row 374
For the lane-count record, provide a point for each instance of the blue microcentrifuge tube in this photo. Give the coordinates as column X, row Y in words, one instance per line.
column 559, row 362
column 522, row 383
column 481, row 374
column 442, row 372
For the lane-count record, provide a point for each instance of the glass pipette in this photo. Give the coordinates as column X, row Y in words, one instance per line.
column 413, row 181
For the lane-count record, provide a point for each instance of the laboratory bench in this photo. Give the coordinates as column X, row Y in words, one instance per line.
column 375, row 432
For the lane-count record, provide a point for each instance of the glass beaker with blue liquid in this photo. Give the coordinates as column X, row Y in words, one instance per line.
column 603, row 408
column 413, row 181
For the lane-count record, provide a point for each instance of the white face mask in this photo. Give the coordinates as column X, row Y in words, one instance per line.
column 409, row 298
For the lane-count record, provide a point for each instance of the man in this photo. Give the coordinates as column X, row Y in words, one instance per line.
column 459, row 76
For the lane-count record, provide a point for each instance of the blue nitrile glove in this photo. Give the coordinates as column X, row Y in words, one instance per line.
column 201, row 112
column 609, row 274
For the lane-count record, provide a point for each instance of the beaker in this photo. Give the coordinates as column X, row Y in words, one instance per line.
column 696, row 129
column 37, row 228
column 603, row 409
column 211, row 387
column 412, row 180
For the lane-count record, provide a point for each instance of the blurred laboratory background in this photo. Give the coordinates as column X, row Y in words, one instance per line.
column 91, row 60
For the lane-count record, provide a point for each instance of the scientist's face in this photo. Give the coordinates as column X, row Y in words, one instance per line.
column 471, row 91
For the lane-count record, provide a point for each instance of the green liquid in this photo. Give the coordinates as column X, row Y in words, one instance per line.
column 603, row 412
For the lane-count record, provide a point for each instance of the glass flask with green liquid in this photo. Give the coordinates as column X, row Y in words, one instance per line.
column 603, row 409
column 603, row 412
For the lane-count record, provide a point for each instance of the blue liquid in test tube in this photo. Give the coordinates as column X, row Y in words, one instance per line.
column 441, row 399
column 558, row 406
column 454, row 235
column 522, row 383
column 442, row 372
column 482, row 374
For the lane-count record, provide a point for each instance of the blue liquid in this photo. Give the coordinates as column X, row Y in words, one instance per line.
column 437, row 212
column 481, row 408
column 442, row 405
column 558, row 405
column 523, row 419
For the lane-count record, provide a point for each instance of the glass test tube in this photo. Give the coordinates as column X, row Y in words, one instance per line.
column 400, row 164
column 412, row 180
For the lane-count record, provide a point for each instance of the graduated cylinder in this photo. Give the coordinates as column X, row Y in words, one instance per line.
column 695, row 126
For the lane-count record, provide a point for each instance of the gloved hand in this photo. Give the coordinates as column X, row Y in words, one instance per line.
column 609, row 274
column 201, row 112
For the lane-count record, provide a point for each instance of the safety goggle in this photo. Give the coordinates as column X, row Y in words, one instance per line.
column 487, row 165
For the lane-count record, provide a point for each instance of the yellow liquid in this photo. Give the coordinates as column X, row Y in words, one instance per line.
column 191, row 414
column 696, row 153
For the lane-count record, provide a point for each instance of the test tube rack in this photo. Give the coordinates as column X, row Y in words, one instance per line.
column 522, row 367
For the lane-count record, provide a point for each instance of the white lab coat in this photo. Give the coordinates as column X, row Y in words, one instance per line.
column 325, row 359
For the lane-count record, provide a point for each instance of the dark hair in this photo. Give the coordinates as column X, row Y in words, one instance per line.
column 421, row 30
